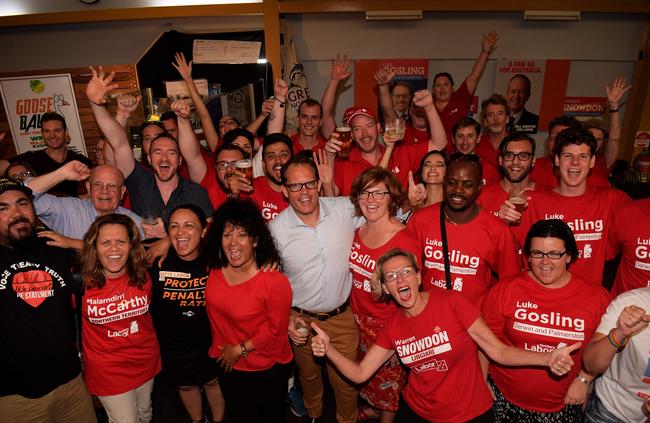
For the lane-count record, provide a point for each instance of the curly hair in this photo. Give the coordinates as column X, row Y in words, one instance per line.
column 372, row 177
column 242, row 214
column 136, row 264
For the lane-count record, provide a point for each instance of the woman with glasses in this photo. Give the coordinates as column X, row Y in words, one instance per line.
column 376, row 194
column 539, row 310
column 249, row 315
column 437, row 335
column 19, row 171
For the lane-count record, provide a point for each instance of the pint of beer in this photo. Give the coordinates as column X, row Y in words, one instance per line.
column 345, row 136
column 246, row 167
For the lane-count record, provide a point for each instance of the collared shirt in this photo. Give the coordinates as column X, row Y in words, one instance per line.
column 72, row 216
column 315, row 259
column 145, row 195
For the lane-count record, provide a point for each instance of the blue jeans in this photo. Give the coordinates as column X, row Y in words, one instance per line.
column 597, row 413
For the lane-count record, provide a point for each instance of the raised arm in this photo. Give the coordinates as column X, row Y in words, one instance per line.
column 340, row 72
column 97, row 88
column 188, row 143
column 185, row 70
column 614, row 95
column 71, row 171
column 356, row 372
column 276, row 118
column 383, row 78
column 487, row 46
column 126, row 104
column 267, row 108
column 438, row 141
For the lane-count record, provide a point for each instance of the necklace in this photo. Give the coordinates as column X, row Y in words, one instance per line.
column 475, row 210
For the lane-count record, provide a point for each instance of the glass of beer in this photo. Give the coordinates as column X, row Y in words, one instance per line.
column 246, row 167
column 394, row 128
column 517, row 197
column 345, row 136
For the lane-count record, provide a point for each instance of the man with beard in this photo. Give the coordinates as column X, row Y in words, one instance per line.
column 157, row 192
column 69, row 218
column 479, row 245
column 40, row 376
column 516, row 160
column 54, row 155
column 494, row 116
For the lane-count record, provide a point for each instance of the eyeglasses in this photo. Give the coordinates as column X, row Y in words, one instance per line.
column 20, row 176
column 458, row 156
column 225, row 165
column 99, row 186
column 405, row 272
column 377, row 195
column 299, row 186
column 227, row 122
column 523, row 156
column 552, row 255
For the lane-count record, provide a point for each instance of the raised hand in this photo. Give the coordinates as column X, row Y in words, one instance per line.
column 417, row 193
column 182, row 109
column 384, row 76
column 489, row 41
column 127, row 104
column 267, row 106
column 618, row 88
column 319, row 343
column 182, row 66
column 99, row 86
column 423, row 98
column 632, row 320
column 325, row 165
column 280, row 89
column 75, row 171
column 333, row 145
column 559, row 360
column 340, row 68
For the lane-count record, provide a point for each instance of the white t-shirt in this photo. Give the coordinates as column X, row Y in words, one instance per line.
column 626, row 384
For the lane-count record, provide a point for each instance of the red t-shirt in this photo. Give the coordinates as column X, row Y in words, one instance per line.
column 588, row 215
column 403, row 159
column 207, row 158
column 492, row 198
column 297, row 147
column 543, row 173
column 412, row 135
column 458, row 107
column 267, row 200
column 445, row 383
column 599, row 174
column 209, row 183
column 120, row 349
column 362, row 266
column 489, row 160
column 630, row 234
column 525, row 314
column 476, row 250
column 256, row 310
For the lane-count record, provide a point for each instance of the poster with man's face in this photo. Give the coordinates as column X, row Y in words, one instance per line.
column 521, row 82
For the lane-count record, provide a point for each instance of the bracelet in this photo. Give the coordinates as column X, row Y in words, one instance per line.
column 279, row 101
column 583, row 380
column 615, row 344
column 244, row 351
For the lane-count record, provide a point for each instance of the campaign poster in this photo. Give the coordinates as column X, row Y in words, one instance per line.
column 583, row 108
column 27, row 98
column 534, row 89
column 412, row 71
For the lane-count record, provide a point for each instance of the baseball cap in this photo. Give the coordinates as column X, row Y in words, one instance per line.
column 352, row 112
column 7, row 184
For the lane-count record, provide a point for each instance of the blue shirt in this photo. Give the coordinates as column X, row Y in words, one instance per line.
column 72, row 216
column 315, row 259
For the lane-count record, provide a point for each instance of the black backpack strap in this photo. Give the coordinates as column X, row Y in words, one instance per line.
column 445, row 247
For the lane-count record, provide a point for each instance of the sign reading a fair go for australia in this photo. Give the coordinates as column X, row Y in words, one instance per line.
column 27, row 98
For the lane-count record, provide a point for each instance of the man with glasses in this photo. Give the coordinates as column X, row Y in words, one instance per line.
column 516, row 160
column 588, row 210
column 478, row 244
column 69, row 218
column 314, row 236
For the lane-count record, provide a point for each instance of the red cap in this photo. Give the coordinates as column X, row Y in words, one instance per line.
column 354, row 111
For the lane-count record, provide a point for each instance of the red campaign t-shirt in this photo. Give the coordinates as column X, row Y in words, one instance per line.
column 297, row 147
column 209, row 183
column 267, row 200
column 588, row 215
column 630, row 234
column 458, row 107
column 489, row 160
column 599, row 174
column 403, row 159
column 362, row 265
column 412, row 135
column 120, row 349
column 445, row 383
column 476, row 249
column 256, row 310
column 492, row 198
column 544, row 173
column 525, row 314
column 207, row 158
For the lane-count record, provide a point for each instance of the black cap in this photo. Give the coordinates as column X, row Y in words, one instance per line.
column 9, row 184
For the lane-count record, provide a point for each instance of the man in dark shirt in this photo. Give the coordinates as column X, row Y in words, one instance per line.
column 53, row 156
column 40, row 375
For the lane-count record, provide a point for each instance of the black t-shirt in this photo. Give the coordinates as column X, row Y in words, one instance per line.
column 178, row 305
column 42, row 164
column 37, row 330
column 145, row 195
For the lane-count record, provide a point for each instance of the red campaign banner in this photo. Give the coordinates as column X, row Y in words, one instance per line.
column 413, row 71
column 584, row 106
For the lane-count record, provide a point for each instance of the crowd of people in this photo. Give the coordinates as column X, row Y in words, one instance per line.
column 442, row 273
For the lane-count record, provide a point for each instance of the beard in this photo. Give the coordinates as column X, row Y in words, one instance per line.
column 24, row 237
